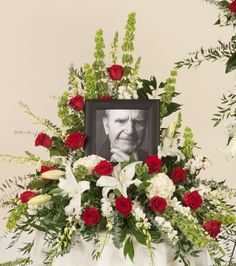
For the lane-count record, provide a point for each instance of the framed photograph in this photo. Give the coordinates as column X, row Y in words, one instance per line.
column 117, row 129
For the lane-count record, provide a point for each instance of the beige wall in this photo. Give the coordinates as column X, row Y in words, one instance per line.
column 40, row 39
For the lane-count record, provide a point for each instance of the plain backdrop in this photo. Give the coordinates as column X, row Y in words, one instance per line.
column 40, row 39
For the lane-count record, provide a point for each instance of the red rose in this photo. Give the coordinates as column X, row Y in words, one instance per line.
column 212, row 227
column 158, row 204
column 154, row 163
column 178, row 175
column 103, row 168
column 115, row 72
column 43, row 140
column 26, row 196
column 123, row 205
column 75, row 140
column 45, row 168
column 232, row 6
column 105, row 98
column 77, row 103
column 192, row 200
column 91, row 216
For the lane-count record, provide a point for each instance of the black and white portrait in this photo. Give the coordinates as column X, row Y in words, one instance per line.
column 117, row 129
column 123, row 133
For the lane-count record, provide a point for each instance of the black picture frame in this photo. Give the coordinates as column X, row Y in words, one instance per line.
column 93, row 128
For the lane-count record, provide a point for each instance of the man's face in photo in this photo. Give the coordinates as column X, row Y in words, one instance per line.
column 125, row 129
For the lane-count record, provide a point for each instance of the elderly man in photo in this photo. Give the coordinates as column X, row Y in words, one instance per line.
column 126, row 132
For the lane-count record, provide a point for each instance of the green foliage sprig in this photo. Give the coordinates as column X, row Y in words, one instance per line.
column 226, row 110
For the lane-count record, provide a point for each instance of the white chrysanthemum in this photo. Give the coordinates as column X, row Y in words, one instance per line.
column 89, row 162
column 161, row 185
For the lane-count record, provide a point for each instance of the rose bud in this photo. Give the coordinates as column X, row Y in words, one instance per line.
column 103, row 168
column 53, row 174
column 115, row 72
column 26, row 196
column 193, row 200
column 106, row 98
column 178, row 175
column 154, row 163
column 123, row 205
column 158, row 204
column 77, row 103
column 212, row 227
column 75, row 140
column 232, row 6
column 91, row 216
column 43, row 140
column 40, row 199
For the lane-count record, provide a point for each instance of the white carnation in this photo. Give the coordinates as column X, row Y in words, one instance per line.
column 89, row 162
column 161, row 185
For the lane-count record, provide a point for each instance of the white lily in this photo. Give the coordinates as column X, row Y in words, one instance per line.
column 120, row 180
column 74, row 190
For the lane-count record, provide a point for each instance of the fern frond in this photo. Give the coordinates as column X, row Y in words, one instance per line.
column 45, row 122
column 20, row 261
column 19, row 160
column 223, row 51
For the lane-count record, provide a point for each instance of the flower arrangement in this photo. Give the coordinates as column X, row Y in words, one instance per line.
column 71, row 196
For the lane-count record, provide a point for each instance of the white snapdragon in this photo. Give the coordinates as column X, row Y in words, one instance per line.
column 106, row 205
column 127, row 93
column 167, row 228
column 177, row 206
column 198, row 163
column 88, row 161
column 169, row 145
column 138, row 212
column 140, row 217
column 160, row 185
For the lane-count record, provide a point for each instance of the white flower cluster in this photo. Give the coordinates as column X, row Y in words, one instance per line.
column 196, row 164
column 202, row 190
column 88, row 161
column 161, row 185
column 107, row 210
column 230, row 150
column 140, row 216
column 169, row 145
column 167, row 228
column 106, row 206
column 127, row 93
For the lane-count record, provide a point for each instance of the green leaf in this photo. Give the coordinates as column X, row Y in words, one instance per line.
column 231, row 63
column 129, row 249
column 138, row 235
